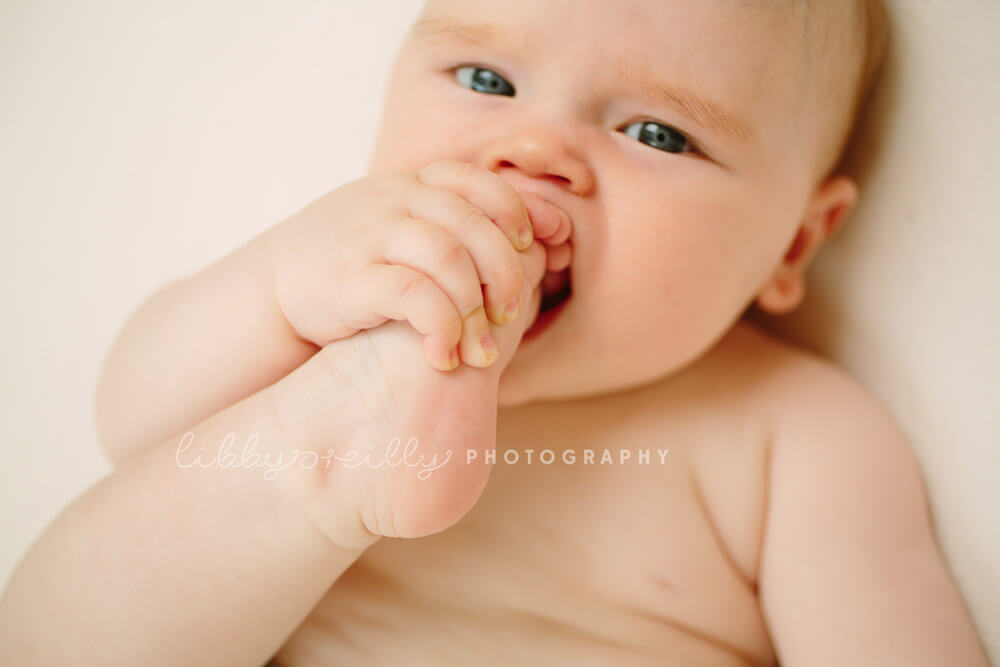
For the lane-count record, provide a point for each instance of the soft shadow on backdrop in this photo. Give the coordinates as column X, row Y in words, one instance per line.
column 138, row 143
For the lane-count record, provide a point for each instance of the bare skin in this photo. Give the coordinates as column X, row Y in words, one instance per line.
column 640, row 563
column 586, row 564
column 788, row 521
column 768, row 524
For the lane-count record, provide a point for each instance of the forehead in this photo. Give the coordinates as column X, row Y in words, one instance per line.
column 749, row 53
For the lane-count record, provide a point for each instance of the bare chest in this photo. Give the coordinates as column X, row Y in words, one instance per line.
column 607, row 536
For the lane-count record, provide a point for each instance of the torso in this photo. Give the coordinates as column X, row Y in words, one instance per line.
column 634, row 563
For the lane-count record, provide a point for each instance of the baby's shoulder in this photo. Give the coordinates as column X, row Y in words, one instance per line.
column 810, row 399
column 830, row 436
column 820, row 421
column 776, row 388
column 790, row 387
column 845, row 491
column 839, row 468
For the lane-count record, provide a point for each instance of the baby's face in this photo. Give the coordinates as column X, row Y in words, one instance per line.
column 682, row 137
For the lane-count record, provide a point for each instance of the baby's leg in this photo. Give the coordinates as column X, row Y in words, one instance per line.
column 203, row 553
column 394, row 403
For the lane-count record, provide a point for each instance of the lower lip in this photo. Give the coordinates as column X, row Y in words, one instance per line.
column 543, row 321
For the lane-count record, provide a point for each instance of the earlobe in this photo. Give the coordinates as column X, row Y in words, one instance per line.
column 783, row 293
column 823, row 216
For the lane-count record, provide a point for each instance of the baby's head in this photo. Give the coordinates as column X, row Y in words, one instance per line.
column 694, row 143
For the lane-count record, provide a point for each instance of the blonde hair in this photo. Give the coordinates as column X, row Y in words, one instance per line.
column 871, row 24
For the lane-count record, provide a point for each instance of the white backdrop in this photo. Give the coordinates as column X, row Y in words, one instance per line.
column 138, row 143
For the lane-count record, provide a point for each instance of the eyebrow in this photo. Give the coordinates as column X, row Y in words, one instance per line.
column 700, row 110
column 475, row 34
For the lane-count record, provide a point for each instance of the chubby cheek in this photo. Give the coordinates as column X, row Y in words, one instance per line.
column 418, row 123
column 398, row 145
column 678, row 268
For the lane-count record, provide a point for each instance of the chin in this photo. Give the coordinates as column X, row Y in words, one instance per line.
column 560, row 364
column 519, row 388
column 545, row 378
column 511, row 399
column 553, row 366
column 519, row 382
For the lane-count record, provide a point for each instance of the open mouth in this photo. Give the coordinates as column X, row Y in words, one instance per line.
column 557, row 288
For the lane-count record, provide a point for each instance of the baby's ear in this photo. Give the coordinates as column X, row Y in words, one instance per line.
column 826, row 211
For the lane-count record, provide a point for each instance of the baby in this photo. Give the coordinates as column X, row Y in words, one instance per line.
column 540, row 283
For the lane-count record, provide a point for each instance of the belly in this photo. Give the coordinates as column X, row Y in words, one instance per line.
column 599, row 565
column 370, row 621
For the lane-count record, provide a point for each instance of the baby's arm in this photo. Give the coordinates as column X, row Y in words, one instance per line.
column 198, row 345
column 160, row 564
column 851, row 573
column 206, row 341
column 166, row 562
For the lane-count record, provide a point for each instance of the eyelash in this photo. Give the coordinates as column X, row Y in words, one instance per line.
column 476, row 68
column 643, row 124
column 644, row 129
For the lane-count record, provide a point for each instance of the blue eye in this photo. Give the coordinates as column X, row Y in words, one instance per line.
column 483, row 80
column 658, row 135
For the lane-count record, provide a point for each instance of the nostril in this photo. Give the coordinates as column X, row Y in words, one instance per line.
column 505, row 163
column 557, row 178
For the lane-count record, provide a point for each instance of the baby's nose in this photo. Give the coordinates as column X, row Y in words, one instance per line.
column 540, row 155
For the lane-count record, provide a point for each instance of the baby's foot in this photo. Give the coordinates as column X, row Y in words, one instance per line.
column 391, row 433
